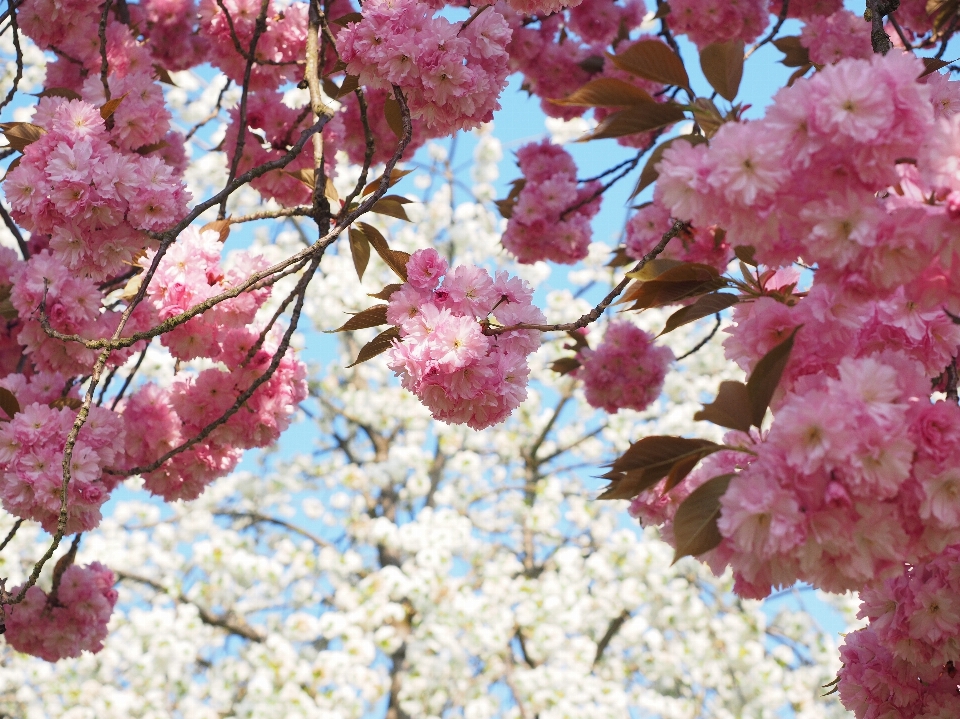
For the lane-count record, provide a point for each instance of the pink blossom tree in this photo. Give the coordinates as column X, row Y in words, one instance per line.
column 825, row 228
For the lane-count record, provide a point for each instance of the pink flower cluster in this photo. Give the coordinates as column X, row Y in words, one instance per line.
column 278, row 48
column 809, row 180
column 876, row 684
column 73, row 621
column 461, row 374
column 626, row 370
column 92, row 200
column 160, row 419
column 903, row 664
column 31, row 471
column 646, row 228
column 706, row 22
column 189, row 274
column 551, row 219
column 450, row 73
column 831, row 38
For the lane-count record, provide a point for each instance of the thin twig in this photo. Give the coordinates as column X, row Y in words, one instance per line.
column 16, row 45
column 703, row 342
column 15, row 231
column 784, row 9
column 10, row 534
column 594, row 314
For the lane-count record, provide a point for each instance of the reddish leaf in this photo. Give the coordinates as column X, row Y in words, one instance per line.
column 695, row 523
column 766, row 376
column 305, row 175
column 931, row 65
column 396, row 260
column 8, row 402
column 350, row 17
column 680, row 470
column 378, row 345
column 745, row 253
column 110, row 107
column 163, row 76
column 731, row 408
column 795, row 54
column 607, row 92
column 370, row 317
column 722, row 65
column 653, row 60
column 678, row 283
column 395, row 177
column 71, row 402
column 649, row 460
column 221, row 227
column 703, row 307
column 391, row 110
column 64, row 92
column 636, row 119
column 350, row 83
column 21, row 134
column 360, row 250
column 565, row 365
column 391, row 208
column 386, row 292
column 619, row 258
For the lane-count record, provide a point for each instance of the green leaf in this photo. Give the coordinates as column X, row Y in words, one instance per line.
column 360, row 250
column 649, row 460
column 607, row 92
column 703, row 307
column 731, row 408
column 649, row 173
column 695, row 523
column 653, row 60
column 637, row 119
column 378, row 345
column 766, row 376
column 370, row 317
column 8, row 402
column 722, row 65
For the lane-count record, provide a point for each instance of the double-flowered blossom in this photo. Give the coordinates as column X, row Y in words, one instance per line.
column 463, row 375
column 90, row 198
column 450, row 73
column 706, row 22
column 903, row 664
column 65, row 623
column 833, row 37
column 551, row 217
column 31, row 454
column 625, row 371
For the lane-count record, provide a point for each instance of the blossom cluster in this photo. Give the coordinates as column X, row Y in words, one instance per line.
column 463, row 375
column 625, row 371
column 93, row 200
column 451, row 73
column 645, row 230
column 903, row 664
column 67, row 622
column 551, row 217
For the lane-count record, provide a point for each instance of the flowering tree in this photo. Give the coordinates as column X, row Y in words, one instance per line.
column 850, row 176
column 410, row 569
